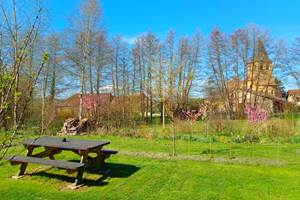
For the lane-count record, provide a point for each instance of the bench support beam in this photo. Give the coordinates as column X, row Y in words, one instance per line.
column 48, row 152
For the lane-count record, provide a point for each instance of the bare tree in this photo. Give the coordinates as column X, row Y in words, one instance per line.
column 21, row 39
column 219, row 63
column 101, row 58
column 90, row 13
column 50, row 81
column 291, row 60
column 139, row 60
column 151, row 44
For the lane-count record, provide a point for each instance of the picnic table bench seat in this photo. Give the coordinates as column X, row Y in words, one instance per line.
column 55, row 163
column 102, row 156
column 69, row 166
column 108, row 152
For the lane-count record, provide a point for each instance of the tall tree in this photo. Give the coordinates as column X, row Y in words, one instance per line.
column 89, row 16
column 21, row 38
column 219, row 63
column 151, row 44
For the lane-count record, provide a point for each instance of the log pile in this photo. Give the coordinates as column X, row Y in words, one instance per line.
column 74, row 126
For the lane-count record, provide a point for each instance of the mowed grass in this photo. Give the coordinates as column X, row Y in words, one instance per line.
column 139, row 176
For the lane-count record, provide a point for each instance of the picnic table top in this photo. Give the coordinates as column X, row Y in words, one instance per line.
column 64, row 143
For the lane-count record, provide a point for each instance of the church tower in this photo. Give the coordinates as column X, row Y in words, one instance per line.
column 259, row 76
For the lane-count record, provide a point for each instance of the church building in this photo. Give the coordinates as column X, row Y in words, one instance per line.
column 260, row 87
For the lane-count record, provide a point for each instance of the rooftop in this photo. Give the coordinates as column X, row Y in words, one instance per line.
column 74, row 100
column 293, row 92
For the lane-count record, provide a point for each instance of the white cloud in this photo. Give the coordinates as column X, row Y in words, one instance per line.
column 106, row 89
column 130, row 40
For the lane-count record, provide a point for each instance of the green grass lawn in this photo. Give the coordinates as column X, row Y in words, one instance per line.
column 143, row 169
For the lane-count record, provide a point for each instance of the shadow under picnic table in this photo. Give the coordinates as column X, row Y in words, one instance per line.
column 117, row 170
column 70, row 179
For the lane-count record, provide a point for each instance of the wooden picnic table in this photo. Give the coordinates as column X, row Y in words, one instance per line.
column 53, row 146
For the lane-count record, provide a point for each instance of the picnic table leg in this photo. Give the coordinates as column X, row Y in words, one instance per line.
column 80, row 171
column 51, row 156
column 101, row 159
column 24, row 165
column 78, row 177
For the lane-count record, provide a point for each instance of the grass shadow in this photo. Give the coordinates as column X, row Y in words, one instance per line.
column 71, row 179
column 121, row 170
column 117, row 170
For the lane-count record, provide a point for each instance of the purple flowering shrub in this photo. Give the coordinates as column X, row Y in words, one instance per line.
column 193, row 115
column 256, row 114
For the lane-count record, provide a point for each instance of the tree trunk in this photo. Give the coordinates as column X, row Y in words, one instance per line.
column 163, row 114
column 174, row 138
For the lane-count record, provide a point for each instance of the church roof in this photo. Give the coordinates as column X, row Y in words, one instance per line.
column 235, row 83
column 259, row 53
column 272, row 97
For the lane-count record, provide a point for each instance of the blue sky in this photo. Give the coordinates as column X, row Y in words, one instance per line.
column 133, row 17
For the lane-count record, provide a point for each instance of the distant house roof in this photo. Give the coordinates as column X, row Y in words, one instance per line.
column 74, row 100
column 294, row 92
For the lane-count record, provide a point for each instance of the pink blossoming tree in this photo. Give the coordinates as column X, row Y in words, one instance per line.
column 90, row 102
column 193, row 115
column 256, row 114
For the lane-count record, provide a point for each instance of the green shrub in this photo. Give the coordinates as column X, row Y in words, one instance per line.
column 294, row 139
column 279, row 128
column 248, row 138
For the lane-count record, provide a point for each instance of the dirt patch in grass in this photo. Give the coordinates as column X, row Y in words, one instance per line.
column 207, row 158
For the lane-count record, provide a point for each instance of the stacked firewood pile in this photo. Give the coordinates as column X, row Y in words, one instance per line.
column 74, row 126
